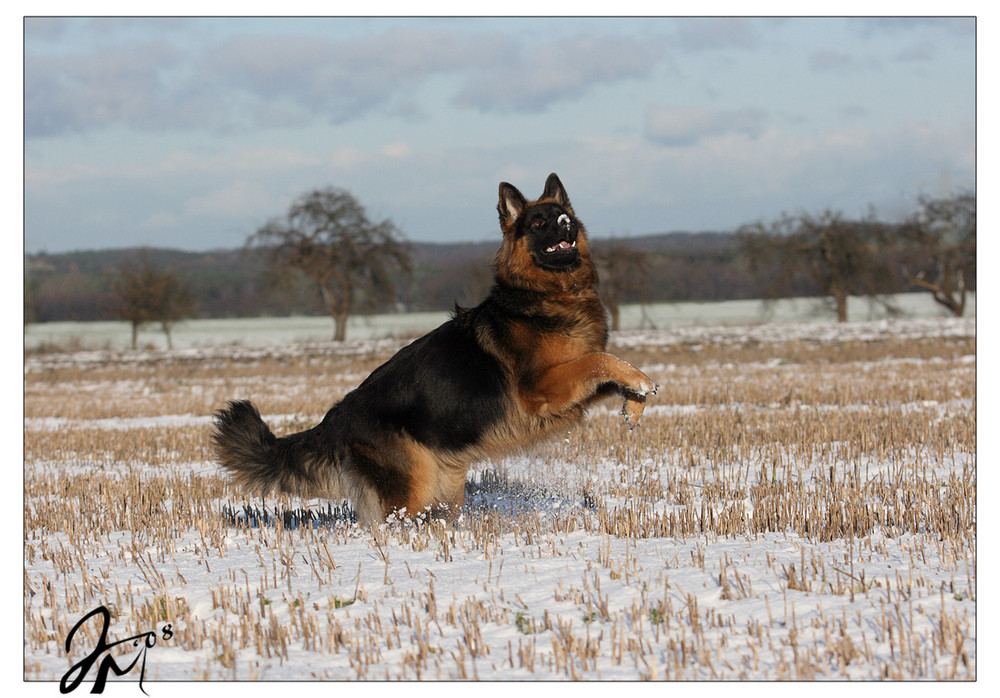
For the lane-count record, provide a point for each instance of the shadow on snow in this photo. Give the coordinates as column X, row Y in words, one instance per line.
column 488, row 492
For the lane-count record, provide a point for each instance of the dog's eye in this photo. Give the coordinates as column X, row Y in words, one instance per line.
column 537, row 223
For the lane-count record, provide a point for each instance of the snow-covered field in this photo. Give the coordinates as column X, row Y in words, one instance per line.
column 799, row 503
column 253, row 332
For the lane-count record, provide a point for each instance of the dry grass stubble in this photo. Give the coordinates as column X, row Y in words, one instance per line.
column 855, row 454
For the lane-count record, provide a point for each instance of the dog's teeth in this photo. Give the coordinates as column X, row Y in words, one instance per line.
column 561, row 245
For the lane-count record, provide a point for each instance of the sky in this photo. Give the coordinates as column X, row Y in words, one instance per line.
column 192, row 133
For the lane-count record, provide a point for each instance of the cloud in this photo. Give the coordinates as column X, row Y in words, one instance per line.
column 854, row 111
column 159, row 220
column 716, row 34
column 618, row 184
column 248, row 81
column 919, row 51
column 396, row 149
column 878, row 27
column 230, row 199
column 681, row 126
column 728, row 180
column 319, row 76
column 173, row 116
column 86, row 90
column 345, row 80
column 235, row 82
column 532, row 79
column 831, row 62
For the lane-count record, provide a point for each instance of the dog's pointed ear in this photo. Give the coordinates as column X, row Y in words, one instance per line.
column 555, row 190
column 511, row 205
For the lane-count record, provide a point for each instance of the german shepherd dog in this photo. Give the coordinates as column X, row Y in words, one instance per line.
column 524, row 363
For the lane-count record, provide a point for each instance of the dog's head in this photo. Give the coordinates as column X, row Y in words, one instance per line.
column 542, row 238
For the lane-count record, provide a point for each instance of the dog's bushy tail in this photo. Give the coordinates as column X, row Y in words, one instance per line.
column 261, row 462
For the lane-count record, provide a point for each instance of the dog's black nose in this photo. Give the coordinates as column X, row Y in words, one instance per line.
column 565, row 222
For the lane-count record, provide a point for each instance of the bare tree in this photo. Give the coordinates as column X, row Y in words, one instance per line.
column 839, row 256
column 327, row 235
column 145, row 295
column 942, row 235
column 624, row 273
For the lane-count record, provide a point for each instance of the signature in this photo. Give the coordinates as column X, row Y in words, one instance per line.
column 78, row 672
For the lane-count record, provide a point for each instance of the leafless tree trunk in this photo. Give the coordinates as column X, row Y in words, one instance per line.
column 943, row 236
column 948, row 291
column 338, row 305
column 840, row 303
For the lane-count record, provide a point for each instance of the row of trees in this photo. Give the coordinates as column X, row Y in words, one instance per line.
column 325, row 235
column 934, row 249
column 357, row 263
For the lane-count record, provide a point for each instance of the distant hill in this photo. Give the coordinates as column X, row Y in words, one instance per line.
column 236, row 283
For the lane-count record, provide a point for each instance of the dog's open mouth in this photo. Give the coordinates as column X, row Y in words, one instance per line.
column 561, row 246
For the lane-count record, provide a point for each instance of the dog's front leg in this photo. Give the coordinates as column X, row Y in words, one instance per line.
column 564, row 386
